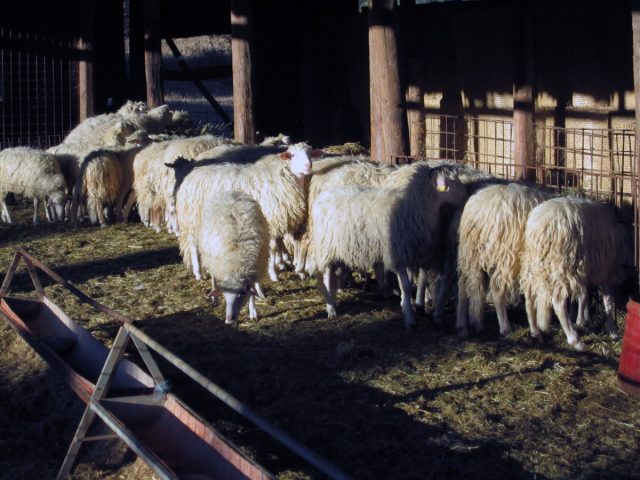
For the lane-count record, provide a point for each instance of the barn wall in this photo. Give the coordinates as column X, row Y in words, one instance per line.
column 312, row 78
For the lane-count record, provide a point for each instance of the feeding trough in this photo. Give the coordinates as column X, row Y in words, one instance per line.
column 133, row 402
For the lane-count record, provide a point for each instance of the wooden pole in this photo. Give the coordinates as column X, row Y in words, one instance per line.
column 388, row 132
column 415, row 110
column 523, row 92
column 243, row 109
column 152, row 53
column 85, row 65
column 635, row 27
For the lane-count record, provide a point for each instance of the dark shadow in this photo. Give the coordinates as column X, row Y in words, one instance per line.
column 81, row 272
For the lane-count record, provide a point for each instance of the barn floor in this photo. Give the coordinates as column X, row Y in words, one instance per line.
column 377, row 401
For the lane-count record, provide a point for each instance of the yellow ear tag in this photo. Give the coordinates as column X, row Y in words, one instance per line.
column 442, row 188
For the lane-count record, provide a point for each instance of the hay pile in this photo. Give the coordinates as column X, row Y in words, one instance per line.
column 373, row 399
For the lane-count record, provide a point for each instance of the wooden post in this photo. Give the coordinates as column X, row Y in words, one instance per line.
column 415, row 110
column 635, row 27
column 243, row 110
column 84, row 45
column 152, row 53
column 523, row 92
column 388, row 130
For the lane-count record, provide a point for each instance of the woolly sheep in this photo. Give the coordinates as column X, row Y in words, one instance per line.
column 441, row 279
column 363, row 226
column 154, row 184
column 491, row 238
column 330, row 173
column 34, row 174
column 233, row 241
column 99, row 183
column 569, row 244
column 277, row 186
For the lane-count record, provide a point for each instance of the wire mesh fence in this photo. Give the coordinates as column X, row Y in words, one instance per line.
column 38, row 88
column 588, row 162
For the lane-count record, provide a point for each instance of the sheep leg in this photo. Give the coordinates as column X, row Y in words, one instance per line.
column 405, row 298
column 6, row 216
column 327, row 286
column 531, row 318
column 500, row 304
column 381, row 278
column 462, row 309
column 273, row 275
column 215, row 300
column 36, row 203
column 195, row 263
column 421, row 289
column 128, row 206
column 583, row 309
column 607, row 300
column 560, row 307
column 253, row 313
column 101, row 217
column 445, row 286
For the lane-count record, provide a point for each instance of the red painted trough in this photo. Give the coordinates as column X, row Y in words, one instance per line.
column 159, row 427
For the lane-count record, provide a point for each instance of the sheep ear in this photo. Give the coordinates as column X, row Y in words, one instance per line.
column 317, row 153
column 170, row 165
column 214, row 292
column 285, row 155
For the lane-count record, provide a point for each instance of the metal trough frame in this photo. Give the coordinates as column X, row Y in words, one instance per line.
column 98, row 404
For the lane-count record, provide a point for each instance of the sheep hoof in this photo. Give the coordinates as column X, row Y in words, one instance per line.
column 579, row 346
column 506, row 332
column 538, row 336
column 273, row 276
column 331, row 312
column 463, row 332
column 420, row 309
column 410, row 326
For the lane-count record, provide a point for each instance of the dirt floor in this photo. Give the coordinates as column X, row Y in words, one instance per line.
column 375, row 400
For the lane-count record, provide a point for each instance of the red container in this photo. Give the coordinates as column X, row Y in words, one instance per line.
column 629, row 366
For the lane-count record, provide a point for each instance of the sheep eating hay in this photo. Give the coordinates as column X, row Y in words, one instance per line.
column 276, row 182
column 569, row 244
column 233, row 242
column 32, row 173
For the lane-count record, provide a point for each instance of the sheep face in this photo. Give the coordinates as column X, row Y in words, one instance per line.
column 299, row 156
column 450, row 189
column 58, row 201
column 234, row 299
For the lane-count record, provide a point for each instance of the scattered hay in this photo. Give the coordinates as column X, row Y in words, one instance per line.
column 359, row 390
column 349, row 148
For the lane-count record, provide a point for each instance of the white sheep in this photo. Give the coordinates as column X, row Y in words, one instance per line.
column 491, row 236
column 570, row 244
column 276, row 182
column 154, row 184
column 394, row 224
column 332, row 172
column 233, row 241
column 35, row 174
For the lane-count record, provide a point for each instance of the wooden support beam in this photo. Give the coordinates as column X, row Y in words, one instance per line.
column 635, row 28
column 523, row 92
column 415, row 109
column 153, row 53
column 388, row 124
column 243, row 109
column 85, row 65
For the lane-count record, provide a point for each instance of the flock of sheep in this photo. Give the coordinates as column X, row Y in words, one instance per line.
column 242, row 211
